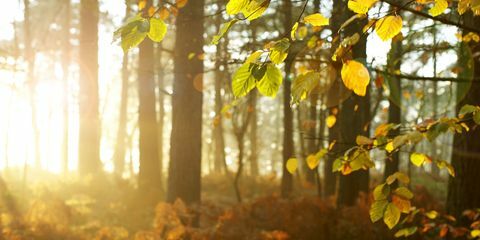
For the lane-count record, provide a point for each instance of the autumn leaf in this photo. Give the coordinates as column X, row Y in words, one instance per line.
column 417, row 159
column 438, row 8
column 316, row 20
column 388, row 27
column 331, row 120
column 355, row 76
column 292, row 165
column 360, row 6
column 391, row 216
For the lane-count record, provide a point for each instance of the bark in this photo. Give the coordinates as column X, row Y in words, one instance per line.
column 121, row 143
column 463, row 188
column 89, row 135
column 186, row 137
column 149, row 180
column 353, row 123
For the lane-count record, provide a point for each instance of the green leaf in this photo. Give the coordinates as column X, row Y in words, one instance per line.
column 403, row 192
column 377, row 209
column 476, row 117
column 132, row 39
column 381, row 192
column 303, row 85
column 236, row 6
column 158, row 29
column 270, row 82
column 337, row 164
column 466, row 109
column 254, row 57
column 243, row 81
column 405, row 232
column 391, row 216
column 225, row 28
column 279, row 51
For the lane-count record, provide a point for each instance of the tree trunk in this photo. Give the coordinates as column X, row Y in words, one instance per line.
column 186, row 138
column 353, row 120
column 395, row 103
column 149, row 180
column 30, row 58
column 120, row 146
column 89, row 135
column 161, row 109
column 463, row 188
column 66, row 55
column 253, row 158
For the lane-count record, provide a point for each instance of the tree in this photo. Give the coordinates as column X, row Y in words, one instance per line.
column 89, row 136
column 149, row 179
column 463, row 188
column 66, row 55
column 120, row 145
column 186, row 137
column 288, row 147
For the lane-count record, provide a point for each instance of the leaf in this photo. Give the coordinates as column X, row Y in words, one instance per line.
column 271, row 81
column 388, row 27
column 316, row 20
column 312, row 161
column 377, row 210
column 432, row 214
column 304, row 84
column 355, row 76
column 181, row 3
column 254, row 56
column 223, row 31
column 337, row 164
column 417, row 159
column 279, row 51
column 158, row 29
column 391, row 216
column 405, row 232
column 466, row 109
column 401, row 203
column 255, row 9
column 403, row 192
column 360, row 6
column 331, row 120
column 463, row 6
column 381, row 192
column 401, row 177
column 475, row 233
column 362, row 140
column 142, row 4
column 235, row 6
column 243, row 81
column 389, row 147
column 294, row 31
column 439, row 7
column 292, row 165
column 476, row 118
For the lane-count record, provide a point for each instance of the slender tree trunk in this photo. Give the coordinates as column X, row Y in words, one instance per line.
column 253, row 158
column 66, row 55
column 161, row 108
column 89, row 136
column 30, row 58
column 186, row 139
column 149, row 180
column 288, row 147
column 395, row 103
column 121, row 143
column 463, row 188
column 353, row 120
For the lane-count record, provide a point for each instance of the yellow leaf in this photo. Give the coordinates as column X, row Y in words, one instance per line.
column 418, row 159
column 475, row 233
column 439, row 7
column 331, row 120
column 235, row 6
column 463, row 6
column 362, row 140
column 360, row 6
column 389, row 147
column 292, row 165
column 181, row 3
column 388, row 27
column 312, row 161
column 391, row 216
column 316, row 20
column 142, row 4
column 164, row 13
column 432, row 214
column 294, row 31
column 355, row 76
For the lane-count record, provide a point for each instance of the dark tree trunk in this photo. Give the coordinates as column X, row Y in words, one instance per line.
column 186, row 139
column 120, row 146
column 149, row 180
column 463, row 188
column 353, row 123
column 395, row 103
column 89, row 136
